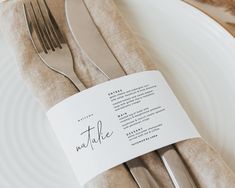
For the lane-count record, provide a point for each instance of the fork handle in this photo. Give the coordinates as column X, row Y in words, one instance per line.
column 74, row 79
column 176, row 168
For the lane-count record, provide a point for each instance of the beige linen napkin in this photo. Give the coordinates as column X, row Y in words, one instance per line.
column 207, row 167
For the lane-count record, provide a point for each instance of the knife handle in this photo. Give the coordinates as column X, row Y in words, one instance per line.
column 176, row 168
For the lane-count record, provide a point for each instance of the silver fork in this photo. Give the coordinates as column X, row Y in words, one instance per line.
column 52, row 48
column 49, row 41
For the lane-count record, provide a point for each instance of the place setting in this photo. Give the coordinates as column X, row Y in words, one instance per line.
column 108, row 94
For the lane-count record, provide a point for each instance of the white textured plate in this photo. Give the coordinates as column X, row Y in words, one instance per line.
column 195, row 54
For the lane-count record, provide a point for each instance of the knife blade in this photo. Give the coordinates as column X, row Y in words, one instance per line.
column 92, row 43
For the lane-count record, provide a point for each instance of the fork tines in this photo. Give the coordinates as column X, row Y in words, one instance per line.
column 42, row 26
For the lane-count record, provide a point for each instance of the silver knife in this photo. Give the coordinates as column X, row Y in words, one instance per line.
column 94, row 46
